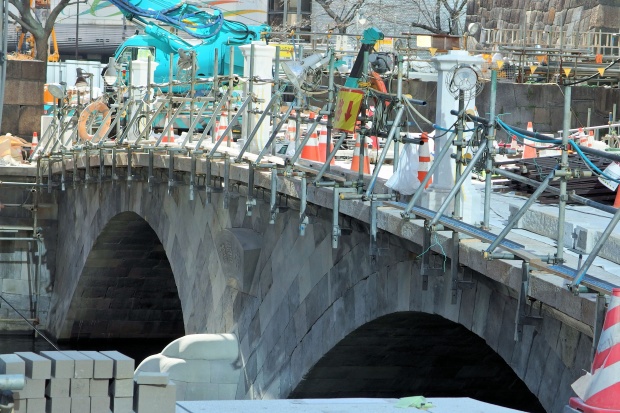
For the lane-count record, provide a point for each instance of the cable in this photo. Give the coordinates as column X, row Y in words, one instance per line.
column 436, row 243
column 29, row 323
column 590, row 164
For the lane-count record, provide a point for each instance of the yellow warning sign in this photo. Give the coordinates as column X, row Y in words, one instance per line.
column 286, row 50
column 348, row 106
column 601, row 71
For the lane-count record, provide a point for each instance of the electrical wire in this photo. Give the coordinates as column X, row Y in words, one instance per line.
column 575, row 146
column 29, row 323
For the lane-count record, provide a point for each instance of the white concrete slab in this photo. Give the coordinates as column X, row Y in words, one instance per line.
column 442, row 405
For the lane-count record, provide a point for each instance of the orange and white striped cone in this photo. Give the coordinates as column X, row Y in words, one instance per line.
column 167, row 135
column 424, row 159
column 310, row 150
column 355, row 162
column 221, row 127
column 34, row 143
column 529, row 150
column 291, row 133
column 513, row 143
column 603, row 392
column 322, row 143
column 590, row 138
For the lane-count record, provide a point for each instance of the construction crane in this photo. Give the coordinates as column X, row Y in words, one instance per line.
column 210, row 32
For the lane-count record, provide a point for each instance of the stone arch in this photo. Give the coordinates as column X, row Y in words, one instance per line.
column 342, row 289
column 127, row 288
column 414, row 353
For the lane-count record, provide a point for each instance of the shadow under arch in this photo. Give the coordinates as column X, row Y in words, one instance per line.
column 410, row 353
column 127, row 288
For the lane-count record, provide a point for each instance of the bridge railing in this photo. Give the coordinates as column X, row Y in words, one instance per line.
column 200, row 143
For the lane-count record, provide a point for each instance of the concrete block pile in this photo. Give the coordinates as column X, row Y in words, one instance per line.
column 86, row 382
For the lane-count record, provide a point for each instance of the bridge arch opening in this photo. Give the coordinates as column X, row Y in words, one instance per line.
column 126, row 290
column 411, row 353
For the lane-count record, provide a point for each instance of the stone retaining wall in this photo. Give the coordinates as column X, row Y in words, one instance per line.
column 520, row 103
column 23, row 98
column 573, row 15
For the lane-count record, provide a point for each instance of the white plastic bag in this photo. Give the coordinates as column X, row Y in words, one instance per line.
column 405, row 179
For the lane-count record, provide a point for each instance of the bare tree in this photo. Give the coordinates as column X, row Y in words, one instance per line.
column 30, row 22
column 438, row 16
column 393, row 16
column 343, row 13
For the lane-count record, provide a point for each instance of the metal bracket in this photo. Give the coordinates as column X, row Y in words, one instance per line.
column 374, row 248
column 599, row 320
column 461, row 275
column 303, row 218
column 226, row 181
column 151, row 177
column 426, row 269
column 524, row 315
column 251, row 201
column 337, row 232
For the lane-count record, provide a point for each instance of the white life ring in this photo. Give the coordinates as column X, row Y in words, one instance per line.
column 96, row 106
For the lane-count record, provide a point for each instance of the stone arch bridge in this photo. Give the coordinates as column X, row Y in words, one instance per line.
column 138, row 258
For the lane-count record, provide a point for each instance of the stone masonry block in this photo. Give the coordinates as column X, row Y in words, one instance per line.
column 99, row 387
column 20, row 406
column 37, row 367
column 84, row 365
column 122, row 405
column 123, row 366
column 155, row 398
column 33, row 389
column 63, row 366
column 36, row 405
column 58, row 405
column 103, row 365
column 80, row 388
column 100, row 404
column 585, row 239
column 121, row 388
column 57, row 387
column 80, row 404
column 12, row 364
column 151, row 378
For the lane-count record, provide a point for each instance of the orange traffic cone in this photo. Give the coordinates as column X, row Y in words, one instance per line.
column 355, row 162
column 529, row 150
column 291, row 133
column 424, row 158
column 322, row 143
column 590, row 138
column 221, row 127
column 513, row 143
column 167, row 134
column 617, row 200
column 601, row 394
column 310, row 150
column 34, row 143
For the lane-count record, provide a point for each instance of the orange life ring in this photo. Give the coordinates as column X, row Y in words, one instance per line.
column 376, row 82
column 96, row 106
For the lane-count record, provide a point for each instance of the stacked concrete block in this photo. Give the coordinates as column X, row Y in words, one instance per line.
column 154, row 392
column 79, row 388
column 121, row 388
column 57, row 388
column 79, row 382
column 38, row 370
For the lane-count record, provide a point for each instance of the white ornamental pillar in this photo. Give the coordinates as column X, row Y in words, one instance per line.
column 139, row 81
column 263, row 67
column 444, row 176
